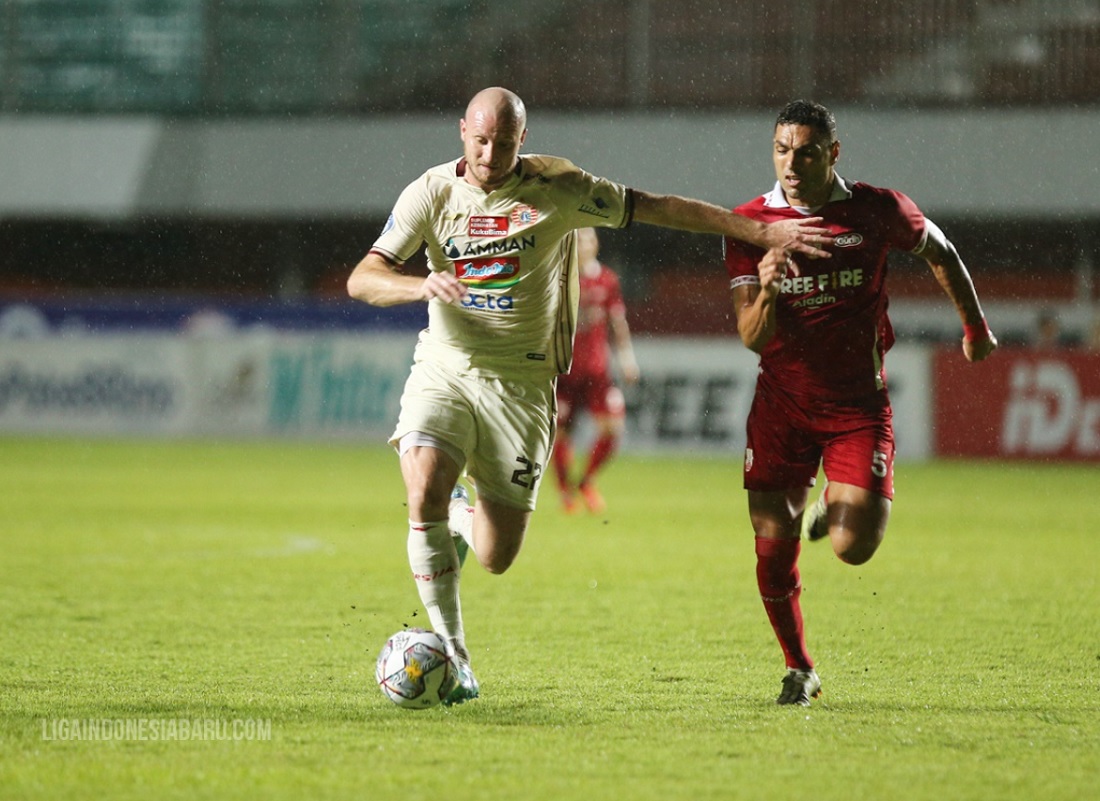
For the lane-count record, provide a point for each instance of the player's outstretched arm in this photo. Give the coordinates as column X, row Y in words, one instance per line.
column 672, row 211
column 941, row 255
column 375, row 280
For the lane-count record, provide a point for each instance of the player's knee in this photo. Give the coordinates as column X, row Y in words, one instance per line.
column 427, row 502
column 496, row 563
column 855, row 557
column 498, row 535
column 856, row 550
column 496, row 554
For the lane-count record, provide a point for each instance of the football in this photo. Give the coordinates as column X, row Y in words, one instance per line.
column 414, row 669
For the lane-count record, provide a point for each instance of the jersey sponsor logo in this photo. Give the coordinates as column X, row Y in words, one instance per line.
column 491, row 273
column 483, row 301
column 816, row 290
column 524, row 215
column 813, row 300
column 485, row 225
column 848, row 240
column 388, row 226
column 454, row 250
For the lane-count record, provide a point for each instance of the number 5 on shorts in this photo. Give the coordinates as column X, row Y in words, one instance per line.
column 880, row 464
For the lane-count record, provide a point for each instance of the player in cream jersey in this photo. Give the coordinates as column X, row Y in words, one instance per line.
column 502, row 292
column 514, row 250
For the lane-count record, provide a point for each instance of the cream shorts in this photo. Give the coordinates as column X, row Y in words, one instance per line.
column 504, row 428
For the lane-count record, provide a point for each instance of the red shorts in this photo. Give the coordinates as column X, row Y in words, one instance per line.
column 787, row 441
column 594, row 393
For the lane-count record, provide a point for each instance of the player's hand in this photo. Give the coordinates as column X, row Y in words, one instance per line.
column 773, row 268
column 979, row 349
column 800, row 236
column 442, row 285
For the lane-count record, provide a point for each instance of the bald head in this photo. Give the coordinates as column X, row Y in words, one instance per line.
column 502, row 104
column 492, row 131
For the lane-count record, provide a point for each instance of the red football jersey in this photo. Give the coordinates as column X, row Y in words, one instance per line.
column 832, row 329
column 601, row 297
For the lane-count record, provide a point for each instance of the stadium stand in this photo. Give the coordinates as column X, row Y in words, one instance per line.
column 360, row 56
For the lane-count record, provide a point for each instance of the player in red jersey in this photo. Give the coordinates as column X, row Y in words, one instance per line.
column 821, row 329
column 588, row 384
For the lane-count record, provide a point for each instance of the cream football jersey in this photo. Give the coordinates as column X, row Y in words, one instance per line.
column 515, row 250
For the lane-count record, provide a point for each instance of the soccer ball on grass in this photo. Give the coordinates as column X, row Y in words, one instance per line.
column 414, row 669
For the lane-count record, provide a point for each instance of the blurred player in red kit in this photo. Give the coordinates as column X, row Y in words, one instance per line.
column 588, row 384
column 822, row 332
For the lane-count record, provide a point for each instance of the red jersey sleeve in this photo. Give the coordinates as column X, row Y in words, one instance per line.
column 903, row 222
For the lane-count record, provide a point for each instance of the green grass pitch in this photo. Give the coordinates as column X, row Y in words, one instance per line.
column 624, row 656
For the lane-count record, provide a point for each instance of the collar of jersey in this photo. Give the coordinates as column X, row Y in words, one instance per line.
column 460, row 172
column 775, row 199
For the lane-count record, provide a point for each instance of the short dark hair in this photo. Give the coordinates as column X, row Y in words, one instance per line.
column 814, row 115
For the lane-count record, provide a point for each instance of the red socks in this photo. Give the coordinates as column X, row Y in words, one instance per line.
column 562, row 458
column 780, row 588
column 602, row 449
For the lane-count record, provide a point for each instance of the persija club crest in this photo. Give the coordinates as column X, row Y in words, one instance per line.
column 524, row 215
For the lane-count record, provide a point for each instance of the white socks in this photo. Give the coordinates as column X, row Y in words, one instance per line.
column 461, row 522
column 435, row 568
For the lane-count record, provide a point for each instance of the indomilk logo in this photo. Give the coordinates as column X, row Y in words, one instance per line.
column 488, row 273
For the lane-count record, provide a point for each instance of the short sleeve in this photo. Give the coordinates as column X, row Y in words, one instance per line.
column 407, row 225
column 906, row 227
column 593, row 201
column 741, row 260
